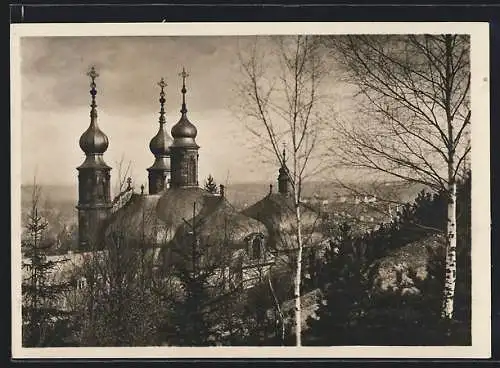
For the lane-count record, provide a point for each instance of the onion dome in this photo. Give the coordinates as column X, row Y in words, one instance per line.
column 284, row 182
column 284, row 173
column 159, row 144
column 184, row 132
column 93, row 141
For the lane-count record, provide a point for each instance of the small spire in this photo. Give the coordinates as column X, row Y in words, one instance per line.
column 162, row 85
column 184, row 75
column 142, row 189
column 221, row 190
column 284, row 153
column 93, row 92
column 129, row 183
column 270, row 188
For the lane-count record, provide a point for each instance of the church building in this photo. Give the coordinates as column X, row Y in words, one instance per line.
column 175, row 207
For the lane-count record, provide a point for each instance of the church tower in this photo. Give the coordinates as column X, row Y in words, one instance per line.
column 159, row 172
column 284, row 185
column 94, row 198
column 184, row 150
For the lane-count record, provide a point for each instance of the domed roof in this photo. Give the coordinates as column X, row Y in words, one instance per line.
column 93, row 140
column 137, row 220
column 277, row 212
column 219, row 223
column 184, row 128
column 179, row 204
column 160, row 143
column 184, row 132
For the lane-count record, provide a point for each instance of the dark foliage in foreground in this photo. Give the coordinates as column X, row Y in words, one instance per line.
column 44, row 323
column 355, row 313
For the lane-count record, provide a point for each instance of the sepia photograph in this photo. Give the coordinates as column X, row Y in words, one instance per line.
column 250, row 190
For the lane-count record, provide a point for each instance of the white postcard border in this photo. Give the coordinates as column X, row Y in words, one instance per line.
column 480, row 158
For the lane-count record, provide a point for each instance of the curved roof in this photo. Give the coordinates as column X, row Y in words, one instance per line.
column 184, row 128
column 160, row 143
column 178, row 204
column 219, row 222
column 93, row 140
column 137, row 220
column 277, row 212
column 167, row 220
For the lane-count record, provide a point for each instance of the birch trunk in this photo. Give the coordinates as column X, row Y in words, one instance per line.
column 451, row 255
column 298, row 277
column 451, row 228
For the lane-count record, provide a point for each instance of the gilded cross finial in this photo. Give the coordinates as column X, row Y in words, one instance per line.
column 184, row 75
column 92, row 73
column 162, row 85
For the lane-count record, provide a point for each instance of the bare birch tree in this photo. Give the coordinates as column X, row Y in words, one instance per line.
column 413, row 108
column 280, row 92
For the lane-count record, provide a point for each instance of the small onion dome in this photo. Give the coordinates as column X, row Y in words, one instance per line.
column 93, row 140
column 159, row 144
column 284, row 173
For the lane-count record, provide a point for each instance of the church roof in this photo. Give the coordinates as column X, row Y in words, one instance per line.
column 219, row 222
column 161, row 217
column 137, row 219
column 277, row 212
column 177, row 204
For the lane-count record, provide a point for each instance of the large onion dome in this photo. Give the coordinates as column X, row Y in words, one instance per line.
column 93, row 141
column 184, row 128
column 184, row 132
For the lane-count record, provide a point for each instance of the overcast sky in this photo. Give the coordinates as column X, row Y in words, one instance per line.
column 55, row 103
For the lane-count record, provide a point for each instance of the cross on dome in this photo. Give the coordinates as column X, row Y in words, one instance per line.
column 92, row 73
column 162, row 83
column 184, row 75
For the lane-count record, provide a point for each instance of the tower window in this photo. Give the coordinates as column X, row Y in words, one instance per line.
column 192, row 170
column 257, row 247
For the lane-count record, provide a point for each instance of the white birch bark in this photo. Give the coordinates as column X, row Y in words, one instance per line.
column 451, row 256
column 298, row 277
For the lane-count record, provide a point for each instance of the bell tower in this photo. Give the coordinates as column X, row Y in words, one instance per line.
column 159, row 172
column 184, row 150
column 94, row 197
